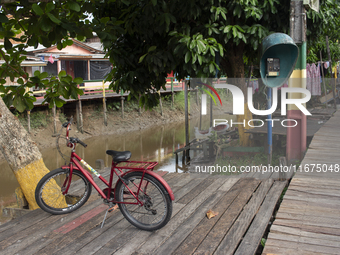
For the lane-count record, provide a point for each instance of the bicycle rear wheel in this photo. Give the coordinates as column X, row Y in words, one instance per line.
column 49, row 191
column 157, row 209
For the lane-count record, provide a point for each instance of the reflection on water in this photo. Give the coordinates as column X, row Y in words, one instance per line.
column 154, row 144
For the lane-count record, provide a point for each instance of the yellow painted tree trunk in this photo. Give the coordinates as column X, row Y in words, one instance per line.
column 21, row 153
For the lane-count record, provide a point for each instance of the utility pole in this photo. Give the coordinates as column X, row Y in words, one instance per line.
column 297, row 136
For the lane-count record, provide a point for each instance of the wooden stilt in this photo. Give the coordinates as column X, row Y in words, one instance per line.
column 54, row 110
column 104, row 106
column 186, row 118
column 80, row 117
column 29, row 121
column 172, row 93
column 160, row 102
column 122, row 105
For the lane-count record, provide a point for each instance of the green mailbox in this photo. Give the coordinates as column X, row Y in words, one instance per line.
column 279, row 56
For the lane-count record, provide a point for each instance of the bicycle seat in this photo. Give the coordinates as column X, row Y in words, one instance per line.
column 119, row 156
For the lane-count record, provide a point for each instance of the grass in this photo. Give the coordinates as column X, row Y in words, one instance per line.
column 39, row 119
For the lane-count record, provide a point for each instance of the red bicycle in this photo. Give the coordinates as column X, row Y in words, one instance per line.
column 144, row 198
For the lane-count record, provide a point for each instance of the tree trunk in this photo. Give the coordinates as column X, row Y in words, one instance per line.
column 21, row 153
column 234, row 67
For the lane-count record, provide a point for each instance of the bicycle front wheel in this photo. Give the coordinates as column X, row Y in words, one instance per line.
column 50, row 191
column 157, row 207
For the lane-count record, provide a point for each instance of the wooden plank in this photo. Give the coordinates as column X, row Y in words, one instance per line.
column 156, row 239
column 11, row 245
column 231, row 240
column 292, row 203
column 53, row 242
column 256, row 231
column 199, row 216
column 316, row 190
column 298, row 232
column 312, row 220
column 195, row 191
column 215, row 236
column 306, row 240
column 133, row 243
column 271, row 250
column 298, row 247
column 306, row 227
column 19, row 224
column 125, row 236
column 198, row 234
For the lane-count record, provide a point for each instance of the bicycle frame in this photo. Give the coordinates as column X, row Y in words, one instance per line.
column 75, row 165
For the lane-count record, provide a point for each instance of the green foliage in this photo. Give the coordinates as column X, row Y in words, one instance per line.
column 62, row 118
column 38, row 119
column 179, row 101
column 146, row 40
column 47, row 23
column 320, row 24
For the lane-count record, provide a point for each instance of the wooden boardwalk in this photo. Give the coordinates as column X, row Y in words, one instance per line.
column 308, row 220
column 244, row 204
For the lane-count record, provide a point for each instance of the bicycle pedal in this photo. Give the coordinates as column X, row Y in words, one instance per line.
column 113, row 208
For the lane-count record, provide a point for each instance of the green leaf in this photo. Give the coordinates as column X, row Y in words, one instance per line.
column 53, row 18
column 19, row 104
column 74, row 6
column 62, row 74
column 227, row 29
column 142, row 57
column 201, row 46
column 59, row 102
column 152, row 48
column 69, row 42
column 211, row 68
column 220, row 47
column 45, row 25
column 154, row 2
column 235, row 32
column 78, row 80
column 7, row 44
column 200, row 59
column 3, row 18
column 49, row 7
column 187, row 57
column 36, row 8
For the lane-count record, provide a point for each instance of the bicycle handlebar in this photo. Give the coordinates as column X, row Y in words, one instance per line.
column 77, row 140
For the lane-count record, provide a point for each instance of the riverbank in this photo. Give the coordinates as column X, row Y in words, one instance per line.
column 42, row 128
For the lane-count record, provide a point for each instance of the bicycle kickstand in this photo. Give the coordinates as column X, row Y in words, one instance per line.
column 110, row 209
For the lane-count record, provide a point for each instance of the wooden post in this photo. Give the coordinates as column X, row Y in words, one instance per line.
column 54, row 119
column 122, row 102
column 77, row 116
column 330, row 66
column 323, row 77
column 28, row 116
column 104, row 105
column 29, row 122
column 140, row 108
column 80, row 116
column 172, row 93
column 160, row 102
column 186, row 118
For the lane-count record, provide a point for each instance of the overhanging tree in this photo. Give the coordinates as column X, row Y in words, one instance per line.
column 23, row 24
column 187, row 37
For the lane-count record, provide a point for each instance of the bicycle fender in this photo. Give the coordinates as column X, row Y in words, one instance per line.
column 159, row 178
